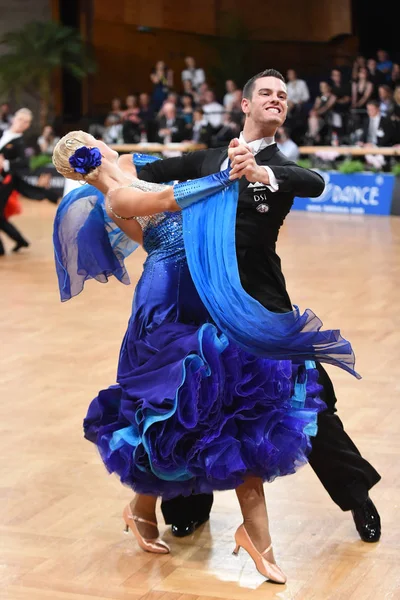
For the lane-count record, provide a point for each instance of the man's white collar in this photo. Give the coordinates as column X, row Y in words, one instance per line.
column 257, row 145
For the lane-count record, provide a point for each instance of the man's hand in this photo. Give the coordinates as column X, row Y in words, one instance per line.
column 243, row 164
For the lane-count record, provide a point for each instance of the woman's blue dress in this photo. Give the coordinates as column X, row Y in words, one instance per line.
column 192, row 411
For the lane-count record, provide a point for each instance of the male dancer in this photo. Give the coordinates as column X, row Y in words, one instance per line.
column 268, row 184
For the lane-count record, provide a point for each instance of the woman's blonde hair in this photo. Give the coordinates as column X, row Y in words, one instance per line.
column 65, row 148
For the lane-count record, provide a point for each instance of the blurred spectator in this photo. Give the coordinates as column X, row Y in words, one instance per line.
column 297, row 89
column 171, row 128
column 342, row 91
column 203, row 89
column 162, row 79
column 229, row 130
column 147, row 119
column 201, row 130
column 286, row 144
column 12, row 144
column 186, row 112
column 395, row 76
column 386, row 100
column 320, row 122
column 395, row 117
column 362, row 89
column 131, row 121
column 189, row 89
column 230, row 87
column 48, row 140
column 376, row 77
column 235, row 107
column 192, row 73
column 213, row 110
column 5, row 117
column 358, row 63
column 116, row 113
column 377, row 130
column 298, row 97
column 384, row 63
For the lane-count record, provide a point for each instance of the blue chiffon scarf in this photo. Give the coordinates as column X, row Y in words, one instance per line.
column 209, row 237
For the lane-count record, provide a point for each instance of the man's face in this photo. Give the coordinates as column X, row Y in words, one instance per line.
column 230, row 86
column 372, row 110
column 190, row 62
column 371, row 64
column 21, row 123
column 268, row 104
column 169, row 110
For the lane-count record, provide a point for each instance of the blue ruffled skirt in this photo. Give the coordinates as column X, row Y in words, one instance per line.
column 193, row 412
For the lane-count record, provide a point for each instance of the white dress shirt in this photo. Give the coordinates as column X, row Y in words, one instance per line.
column 373, row 128
column 256, row 146
column 196, row 76
column 214, row 114
column 7, row 137
column 298, row 91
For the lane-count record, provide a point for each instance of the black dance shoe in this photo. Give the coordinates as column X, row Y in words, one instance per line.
column 188, row 528
column 368, row 521
column 21, row 244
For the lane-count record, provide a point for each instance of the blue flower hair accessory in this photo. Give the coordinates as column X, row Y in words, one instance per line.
column 84, row 160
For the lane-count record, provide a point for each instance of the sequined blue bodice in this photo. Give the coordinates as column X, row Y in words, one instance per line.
column 162, row 236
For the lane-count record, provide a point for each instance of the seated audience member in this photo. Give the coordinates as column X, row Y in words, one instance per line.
column 376, row 77
column 203, row 89
column 131, row 121
column 213, row 110
column 48, row 140
column 192, row 73
column 116, row 113
column 320, row 126
column 201, row 130
column 384, row 63
column 359, row 62
column 298, row 97
column 286, row 144
column 186, row 111
column 235, row 107
column 385, row 100
column 342, row 90
column 189, row 89
column 229, row 130
column 377, row 130
column 297, row 89
column 171, row 129
column 230, row 87
column 361, row 89
column 147, row 117
column 395, row 76
column 395, row 116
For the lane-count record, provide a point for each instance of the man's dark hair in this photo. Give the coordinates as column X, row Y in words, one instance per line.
column 374, row 103
column 249, row 86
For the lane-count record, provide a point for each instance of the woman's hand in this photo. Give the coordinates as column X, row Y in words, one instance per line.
column 243, row 164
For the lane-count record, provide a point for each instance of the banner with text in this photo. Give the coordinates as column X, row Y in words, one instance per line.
column 357, row 194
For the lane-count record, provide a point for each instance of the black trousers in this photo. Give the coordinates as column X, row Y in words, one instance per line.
column 11, row 231
column 338, row 464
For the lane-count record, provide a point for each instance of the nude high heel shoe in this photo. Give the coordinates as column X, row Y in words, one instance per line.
column 157, row 546
column 265, row 568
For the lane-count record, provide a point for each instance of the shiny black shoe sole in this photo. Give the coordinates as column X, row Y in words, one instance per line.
column 187, row 529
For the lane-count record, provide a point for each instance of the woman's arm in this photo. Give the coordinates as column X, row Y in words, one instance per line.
column 128, row 203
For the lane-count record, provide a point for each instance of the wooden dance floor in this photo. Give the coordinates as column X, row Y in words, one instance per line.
column 61, row 532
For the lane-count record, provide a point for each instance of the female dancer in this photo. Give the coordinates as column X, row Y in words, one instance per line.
column 197, row 407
